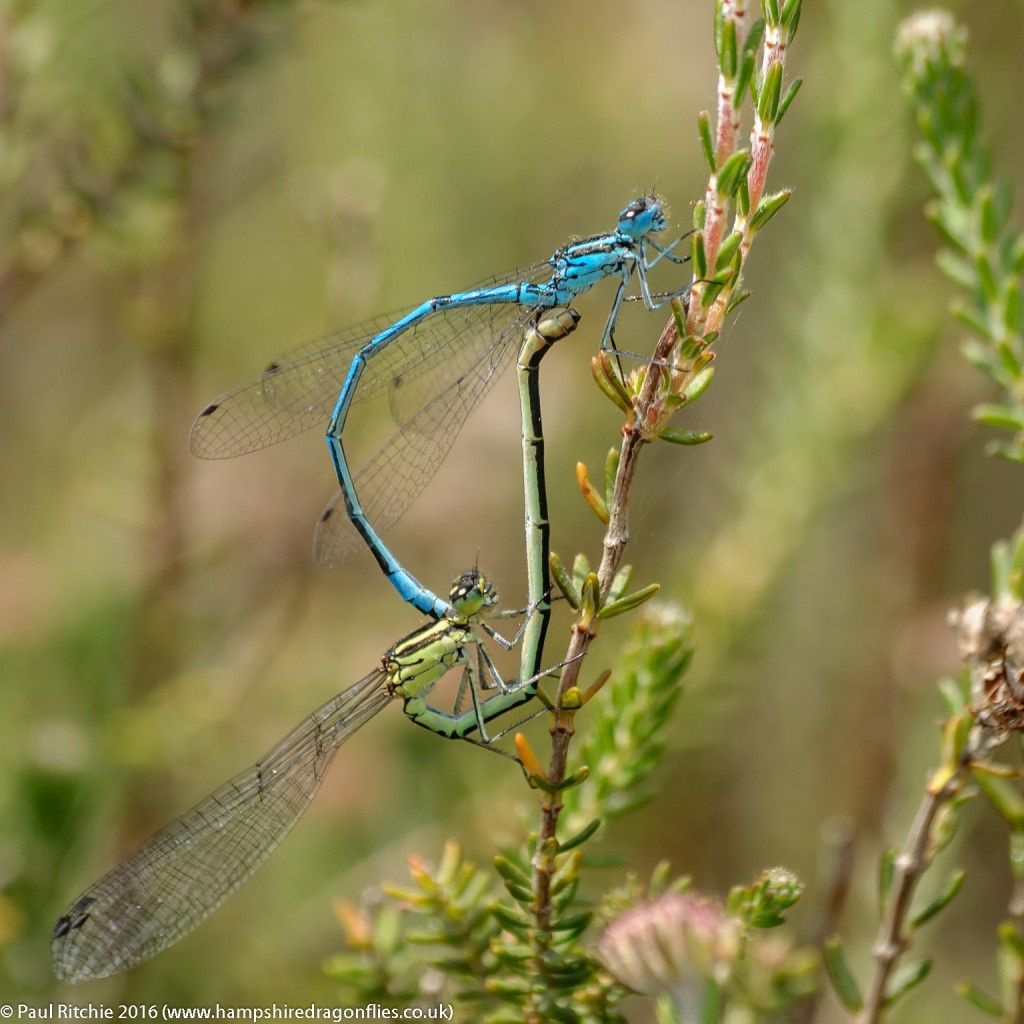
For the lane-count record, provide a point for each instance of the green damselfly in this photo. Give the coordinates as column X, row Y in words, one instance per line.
column 171, row 883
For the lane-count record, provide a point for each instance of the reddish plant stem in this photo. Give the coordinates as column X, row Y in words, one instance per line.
column 910, row 865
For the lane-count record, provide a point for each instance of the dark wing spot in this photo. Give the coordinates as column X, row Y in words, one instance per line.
column 272, row 368
column 326, row 514
column 210, row 409
column 75, row 918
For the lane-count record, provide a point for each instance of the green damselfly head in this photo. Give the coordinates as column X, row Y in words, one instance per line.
column 471, row 593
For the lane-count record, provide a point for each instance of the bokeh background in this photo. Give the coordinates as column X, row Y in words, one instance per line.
column 190, row 189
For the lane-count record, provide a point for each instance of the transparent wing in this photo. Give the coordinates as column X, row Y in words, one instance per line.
column 299, row 391
column 396, row 474
column 178, row 877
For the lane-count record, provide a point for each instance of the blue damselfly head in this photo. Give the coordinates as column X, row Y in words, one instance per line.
column 644, row 216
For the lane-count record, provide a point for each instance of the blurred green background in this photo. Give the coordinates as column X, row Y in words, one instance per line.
column 190, row 189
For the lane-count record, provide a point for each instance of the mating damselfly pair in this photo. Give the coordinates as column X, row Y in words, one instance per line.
column 435, row 363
